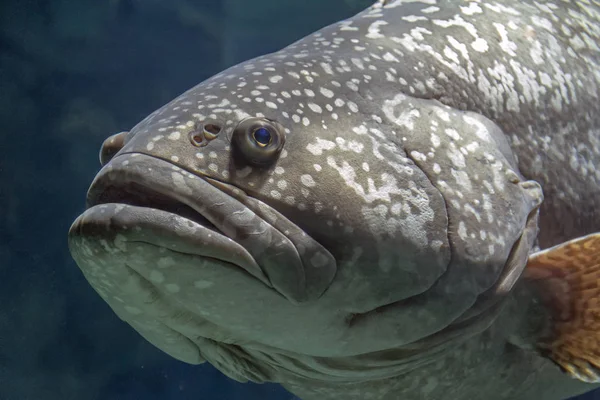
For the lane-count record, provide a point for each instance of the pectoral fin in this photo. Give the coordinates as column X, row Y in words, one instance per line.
column 567, row 277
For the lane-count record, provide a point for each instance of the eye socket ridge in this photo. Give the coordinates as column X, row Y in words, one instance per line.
column 258, row 140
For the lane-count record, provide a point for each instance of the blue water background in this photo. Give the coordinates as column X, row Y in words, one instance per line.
column 72, row 73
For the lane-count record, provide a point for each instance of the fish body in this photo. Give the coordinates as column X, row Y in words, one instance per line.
column 352, row 216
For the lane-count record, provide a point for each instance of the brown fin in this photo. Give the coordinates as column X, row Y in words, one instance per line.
column 568, row 279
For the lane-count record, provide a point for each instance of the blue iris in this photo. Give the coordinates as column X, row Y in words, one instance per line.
column 262, row 136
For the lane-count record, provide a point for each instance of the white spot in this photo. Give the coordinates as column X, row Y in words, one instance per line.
column 172, row 287
column 202, row 284
column 315, row 107
column 157, row 277
column 452, row 133
column 472, row 8
column 390, row 57
column 180, row 183
column 462, row 230
column 418, row 156
column 430, row 10
column 481, row 130
column 536, row 53
column 374, row 30
column 133, row 310
column 320, row 145
column 326, row 92
column 480, row 45
column 307, row 180
column 542, row 23
column 506, row 45
column 353, row 107
column 309, row 93
column 327, row 68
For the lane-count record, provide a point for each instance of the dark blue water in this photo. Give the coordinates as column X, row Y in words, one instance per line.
column 72, row 73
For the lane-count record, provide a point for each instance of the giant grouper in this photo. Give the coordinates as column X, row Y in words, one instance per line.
column 402, row 205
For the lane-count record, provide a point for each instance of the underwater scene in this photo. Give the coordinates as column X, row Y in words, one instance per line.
column 299, row 199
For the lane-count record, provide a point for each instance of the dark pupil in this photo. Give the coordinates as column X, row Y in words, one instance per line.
column 262, row 136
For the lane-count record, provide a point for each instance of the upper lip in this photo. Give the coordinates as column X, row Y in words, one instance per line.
column 147, row 182
column 269, row 254
column 129, row 186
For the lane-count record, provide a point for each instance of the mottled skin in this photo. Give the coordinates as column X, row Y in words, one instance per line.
column 376, row 257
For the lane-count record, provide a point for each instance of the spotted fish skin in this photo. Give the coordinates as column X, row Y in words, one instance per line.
column 419, row 139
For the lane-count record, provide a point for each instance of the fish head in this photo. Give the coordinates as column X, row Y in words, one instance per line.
column 279, row 204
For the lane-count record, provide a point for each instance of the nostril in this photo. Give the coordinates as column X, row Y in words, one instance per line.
column 211, row 129
column 203, row 134
column 111, row 146
column 197, row 138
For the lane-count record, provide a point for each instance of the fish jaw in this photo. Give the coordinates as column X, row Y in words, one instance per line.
column 139, row 198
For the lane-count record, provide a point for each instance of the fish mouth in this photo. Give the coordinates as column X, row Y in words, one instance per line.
column 149, row 200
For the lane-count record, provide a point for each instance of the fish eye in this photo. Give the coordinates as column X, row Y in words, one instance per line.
column 262, row 136
column 258, row 140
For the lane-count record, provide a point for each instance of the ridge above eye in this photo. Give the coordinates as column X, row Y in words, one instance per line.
column 258, row 140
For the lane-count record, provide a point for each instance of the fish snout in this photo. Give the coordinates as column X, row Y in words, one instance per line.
column 156, row 193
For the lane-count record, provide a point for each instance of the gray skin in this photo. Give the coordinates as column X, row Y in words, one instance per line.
column 379, row 256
